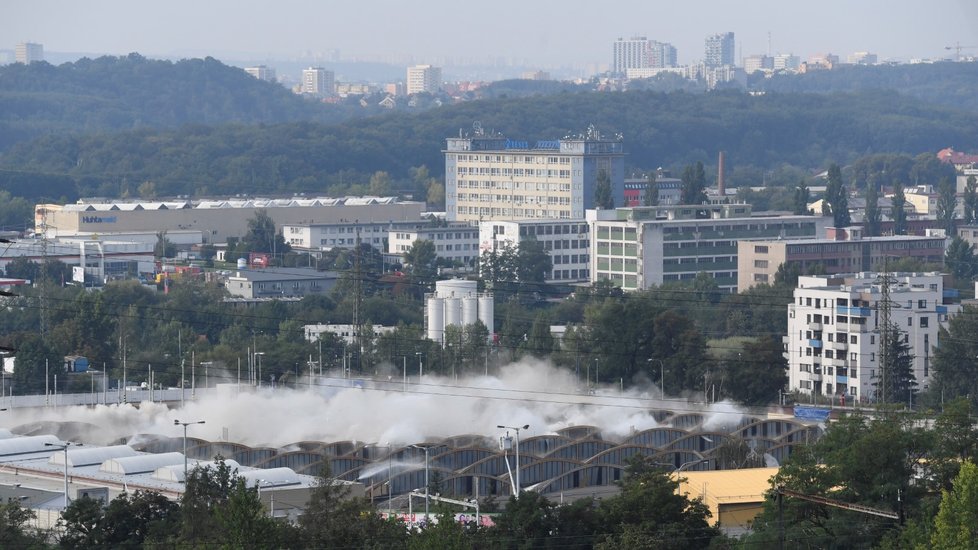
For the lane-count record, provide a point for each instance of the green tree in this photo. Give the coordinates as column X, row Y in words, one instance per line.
column 436, row 193
column 873, row 215
column 956, row 524
column 693, row 189
column 421, row 258
column 380, row 184
column 34, row 358
column 603, row 193
column 836, row 198
column 651, row 196
column 16, row 530
column 83, row 525
column 22, row 268
column 163, row 247
column 961, row 260
column 956, row 358
column 801, row 199
column 759, row 373
column 946, row 203
column 261, row 236
column 971, row 201
column 651, row 512
column 499, row 265
column 533, row 263
column 899, row 212
column 539, row 341
column 897, row 382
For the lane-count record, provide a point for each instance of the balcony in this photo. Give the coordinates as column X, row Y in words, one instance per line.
column 841, row 346
column 853, row 311
column 815, row 344
column 815, row 326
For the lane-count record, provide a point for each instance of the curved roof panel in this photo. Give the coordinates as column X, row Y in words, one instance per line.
column 140, row 464
column 28, row 444
column 89, row 456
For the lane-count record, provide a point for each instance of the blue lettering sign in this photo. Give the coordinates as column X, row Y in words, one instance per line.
column 812, row 413
column 99, row 219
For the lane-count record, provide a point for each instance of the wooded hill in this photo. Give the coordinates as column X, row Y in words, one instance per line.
column 194, row 127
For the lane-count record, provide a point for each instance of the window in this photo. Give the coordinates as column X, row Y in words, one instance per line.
column 760, row 263
column 924, row 322
column 922, row 304
column 909, row 321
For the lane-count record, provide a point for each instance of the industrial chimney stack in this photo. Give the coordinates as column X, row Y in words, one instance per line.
column 721, row 188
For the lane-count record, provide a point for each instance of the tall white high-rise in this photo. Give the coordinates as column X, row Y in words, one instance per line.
column 28, row 52
column 423, row 78
column 719, row 50
column 318, row 81
column 261, row 72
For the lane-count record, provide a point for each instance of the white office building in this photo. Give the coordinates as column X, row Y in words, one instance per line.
column 457, row 243
column 423, row 78
column 567, row 241
column 719, row 50
column 318, row 81
column 832, row 345
column 28, row 52
column 261, row 72
column 489, row 177
column 315, row 238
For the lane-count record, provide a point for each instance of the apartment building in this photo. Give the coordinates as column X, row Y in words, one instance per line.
column 832, row 345
column 261, row 72
column 844, row 250
column 719, row 50
column 423, row 78
column 636, row 248
column 28, row 52
column 319, row 82
column 567, row 241
column 489, row 177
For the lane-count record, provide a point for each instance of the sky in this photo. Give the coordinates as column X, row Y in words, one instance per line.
column 539, row 33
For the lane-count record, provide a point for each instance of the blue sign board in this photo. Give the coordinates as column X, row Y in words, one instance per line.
column 812, row 413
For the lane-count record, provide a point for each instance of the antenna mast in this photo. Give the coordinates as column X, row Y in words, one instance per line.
column 358, row 299
column 886, row 332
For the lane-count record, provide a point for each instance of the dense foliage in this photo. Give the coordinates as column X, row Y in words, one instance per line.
column 672, row 129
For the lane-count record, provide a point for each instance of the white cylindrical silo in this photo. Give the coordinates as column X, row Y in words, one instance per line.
column 470, row 309
column 436, row 319
column 486, row 312
column 453, row 311
column 455, row 287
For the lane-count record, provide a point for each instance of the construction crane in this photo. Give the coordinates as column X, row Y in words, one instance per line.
column 957, row 47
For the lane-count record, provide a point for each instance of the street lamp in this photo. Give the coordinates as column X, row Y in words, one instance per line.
column 662, row 377
column 206, row 365
column 185, row 424
column 425, row 449
column 517, row 430
column 258, row 356
column 64, row 447
column 420, row 367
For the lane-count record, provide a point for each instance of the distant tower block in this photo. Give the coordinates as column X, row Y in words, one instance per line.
column 456, row 302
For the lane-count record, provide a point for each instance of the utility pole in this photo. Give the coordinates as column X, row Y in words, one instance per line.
column 884, row 306
column 358, row 298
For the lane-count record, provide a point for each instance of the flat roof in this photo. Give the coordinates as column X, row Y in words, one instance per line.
column 718, row 487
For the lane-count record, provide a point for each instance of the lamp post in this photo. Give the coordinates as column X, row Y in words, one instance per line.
column 420, row 367
column 185, row 424
column 64, row 447
column 206, row 365
column 517, row 430
column 425, row 449
column 258, row 356
column 662, row 377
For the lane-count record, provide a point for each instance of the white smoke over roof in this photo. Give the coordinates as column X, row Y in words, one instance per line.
column 530, row 392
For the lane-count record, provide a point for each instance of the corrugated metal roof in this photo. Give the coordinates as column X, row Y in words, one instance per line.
column 140, row 464
column 24, row 445
column 89, row 456
column 272, row 477
column 174, row 472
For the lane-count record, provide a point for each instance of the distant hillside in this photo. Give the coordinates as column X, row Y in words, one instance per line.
column 805, row 130
column 125, row 93
column 944, row 83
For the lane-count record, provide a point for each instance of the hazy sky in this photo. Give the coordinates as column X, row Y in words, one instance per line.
column 541, row 32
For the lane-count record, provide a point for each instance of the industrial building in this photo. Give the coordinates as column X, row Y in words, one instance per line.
column 456, row 302
column 99, row 259
column 832, row 345
column 316, row 238
column 844, row 250
column 279, row 282
column 489, row 177
column 457, row 242
column 216, row 220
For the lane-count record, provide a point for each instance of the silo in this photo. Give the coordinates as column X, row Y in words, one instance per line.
column 486, row 313
column 436, row 319
column 456, row 288
column 242, row 263
column 470, row 309
column 453, row 311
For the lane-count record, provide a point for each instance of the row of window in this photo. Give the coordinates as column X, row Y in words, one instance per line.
column 514, row 172
column 570, row 274
column 513, row 158
column 514, row 199
column 565, row 229
column 516, row 185
column 559, row 259
column 517, row 212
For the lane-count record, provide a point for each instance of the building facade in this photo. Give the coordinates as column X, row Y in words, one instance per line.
column 458, row 243
column 719, row 50
column 261, row 72
column 28, row 52
column 320, row 237
column 638, row 52
column 217, row 220
column 567, row 241
column 493, row 178
column 636, row 248
column 279, row 282
column 318, row 81
column 832, row 345
column 423, row 78
column 843, row 251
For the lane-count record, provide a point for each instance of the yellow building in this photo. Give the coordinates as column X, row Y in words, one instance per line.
column 734, row 497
